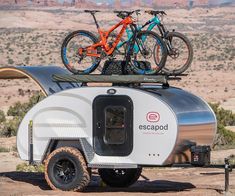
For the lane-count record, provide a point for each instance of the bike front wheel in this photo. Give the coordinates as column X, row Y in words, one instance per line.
column 180, row 53
column 149, row 53
column 73, row 61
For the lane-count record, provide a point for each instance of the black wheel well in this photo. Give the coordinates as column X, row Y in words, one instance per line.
column 58, row 143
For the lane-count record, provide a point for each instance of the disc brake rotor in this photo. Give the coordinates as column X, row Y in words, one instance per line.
column 174, row 53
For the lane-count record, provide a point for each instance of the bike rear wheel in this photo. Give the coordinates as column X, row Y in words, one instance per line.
column 180, row 53
column 74, row 62
column 150, row 53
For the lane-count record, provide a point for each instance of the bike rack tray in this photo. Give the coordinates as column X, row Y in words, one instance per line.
column 127, row 79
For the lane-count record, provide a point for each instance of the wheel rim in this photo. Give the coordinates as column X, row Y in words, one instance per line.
column 174, row 53
column 73, row 57
column 64, row 171
column 151, row 55
column 178, row 52
column 119, row 172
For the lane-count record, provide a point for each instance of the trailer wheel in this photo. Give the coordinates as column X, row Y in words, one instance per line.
column 66, row 169
column 120, row 177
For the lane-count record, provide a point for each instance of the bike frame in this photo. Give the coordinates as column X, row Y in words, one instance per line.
column 151, row 24
column 104, row 37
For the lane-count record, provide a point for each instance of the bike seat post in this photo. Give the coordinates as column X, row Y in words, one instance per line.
column 96, row 23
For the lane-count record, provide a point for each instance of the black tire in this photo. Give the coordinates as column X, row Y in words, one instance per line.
column 66, row 170
column 72, row 63
column 151, row 63
column 120, row 177
column 115, row 67
column 118, row 54
column 181, row 57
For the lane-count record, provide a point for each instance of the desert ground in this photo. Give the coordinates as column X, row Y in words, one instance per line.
column 33, row 36
column 153, row 181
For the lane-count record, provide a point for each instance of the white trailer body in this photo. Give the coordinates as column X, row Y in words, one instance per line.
column 153, row 125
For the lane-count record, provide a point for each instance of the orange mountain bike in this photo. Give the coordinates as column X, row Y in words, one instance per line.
column 82, row 51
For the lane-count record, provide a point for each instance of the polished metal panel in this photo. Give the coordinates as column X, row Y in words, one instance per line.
column 42, row 75
column 196, row 121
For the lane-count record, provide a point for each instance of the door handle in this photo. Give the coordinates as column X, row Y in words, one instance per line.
column 98, row 124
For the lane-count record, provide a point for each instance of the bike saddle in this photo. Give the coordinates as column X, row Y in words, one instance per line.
column 91, row 11
column 124, row 14
column 155, row 12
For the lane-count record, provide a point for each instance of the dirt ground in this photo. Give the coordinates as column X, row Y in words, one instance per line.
column 155, row 181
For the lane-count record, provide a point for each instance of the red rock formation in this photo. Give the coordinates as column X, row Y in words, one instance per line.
column 117, row 3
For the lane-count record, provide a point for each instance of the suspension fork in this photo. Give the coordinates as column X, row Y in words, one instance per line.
column 138, row 43
column 131, row 45
column 164, row 34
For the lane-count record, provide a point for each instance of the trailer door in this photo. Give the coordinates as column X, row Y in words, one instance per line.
column 113, row 125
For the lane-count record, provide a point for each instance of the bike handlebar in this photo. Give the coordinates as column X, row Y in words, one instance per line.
column 154, row 12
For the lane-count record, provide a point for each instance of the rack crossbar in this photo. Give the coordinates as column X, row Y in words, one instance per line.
column 111, row 78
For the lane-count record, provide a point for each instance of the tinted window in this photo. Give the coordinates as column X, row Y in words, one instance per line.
column 115, row 125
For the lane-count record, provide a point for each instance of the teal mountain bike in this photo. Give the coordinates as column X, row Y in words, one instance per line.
column 179, row 48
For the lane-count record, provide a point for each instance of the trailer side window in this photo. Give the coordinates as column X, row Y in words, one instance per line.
column 115, row 125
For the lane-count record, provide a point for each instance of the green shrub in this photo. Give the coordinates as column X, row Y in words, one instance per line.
column 3, row 149
column 232, row 159
column 224, row 117
column 25, row 167
column 10, row 61
column 2, row 117
column 10, row 127
column 18, row 111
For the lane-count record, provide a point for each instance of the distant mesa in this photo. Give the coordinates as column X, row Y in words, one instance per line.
column 117, row 3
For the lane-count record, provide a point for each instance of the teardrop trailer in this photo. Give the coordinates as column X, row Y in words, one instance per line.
column 118, row 129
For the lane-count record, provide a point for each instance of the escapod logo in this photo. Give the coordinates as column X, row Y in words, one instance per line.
column 153, row 116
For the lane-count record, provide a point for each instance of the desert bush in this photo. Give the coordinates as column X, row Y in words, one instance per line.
column 25, row 167
column 18, row 111
column 232, row 159
column 10, row 61
column 224, row 137
column 2, row 117
column 10, row 127
column 14, row 148
column 224, row 117
column 3, row 149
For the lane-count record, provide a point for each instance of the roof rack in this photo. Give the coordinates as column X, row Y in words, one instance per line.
column 116, row 79
column 95, row 78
